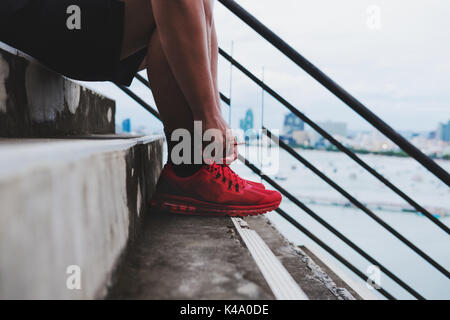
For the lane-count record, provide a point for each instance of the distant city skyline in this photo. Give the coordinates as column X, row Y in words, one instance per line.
column 382, row 68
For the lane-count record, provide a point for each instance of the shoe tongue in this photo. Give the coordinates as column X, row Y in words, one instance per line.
column 238, row 178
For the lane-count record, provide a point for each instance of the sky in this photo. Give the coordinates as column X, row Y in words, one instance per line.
column 393, row 56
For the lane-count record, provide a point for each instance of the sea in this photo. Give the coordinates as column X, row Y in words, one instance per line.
column 386, row 249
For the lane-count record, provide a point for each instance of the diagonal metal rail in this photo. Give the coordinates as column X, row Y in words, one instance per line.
column 362, row 111
column 327, row 248
column 330, row 228
column 136, row 98
column 332, row 140
column 336, row 89
column 155, row 113
column 306, row 209
column 353, row 200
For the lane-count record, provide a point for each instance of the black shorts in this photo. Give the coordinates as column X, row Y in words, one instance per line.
column 91, row 53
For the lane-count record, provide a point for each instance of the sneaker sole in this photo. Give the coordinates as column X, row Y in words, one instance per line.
column 189, row 206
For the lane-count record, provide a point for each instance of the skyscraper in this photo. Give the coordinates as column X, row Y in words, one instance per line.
column 247, row 123
column 443, row 131
column 292, row 123
column 126, row 125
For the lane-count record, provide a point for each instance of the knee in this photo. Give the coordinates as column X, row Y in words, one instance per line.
column 191, row 6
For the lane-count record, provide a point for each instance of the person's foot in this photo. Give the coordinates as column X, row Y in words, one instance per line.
column 214, row 190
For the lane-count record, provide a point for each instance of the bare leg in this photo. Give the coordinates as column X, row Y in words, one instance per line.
column 172, row 105
column 140, row 32
column 232, row 153
column 182, row 26
column 182, row 58
column 185, row 29
column 182, row 68
column 214, row 64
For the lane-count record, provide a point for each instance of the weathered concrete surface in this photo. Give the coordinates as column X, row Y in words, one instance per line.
column 182, row 257
column 70, row 202
column 36, row 102
column 316, row 279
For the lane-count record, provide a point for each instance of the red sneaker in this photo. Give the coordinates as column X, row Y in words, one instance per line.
column 253, row 183
column 214, row 190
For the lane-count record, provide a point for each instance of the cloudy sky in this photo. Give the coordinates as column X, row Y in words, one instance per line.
column 397, row 62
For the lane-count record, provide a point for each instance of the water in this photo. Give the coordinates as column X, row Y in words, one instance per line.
column 406, row 174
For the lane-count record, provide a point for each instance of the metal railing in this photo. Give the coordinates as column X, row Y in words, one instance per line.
column 301, row 205
column 332, row 140
column 323, row 222
column 334, row 185
column 354, row 157
column 337, row 90
column 252, row 167
column 367, row 115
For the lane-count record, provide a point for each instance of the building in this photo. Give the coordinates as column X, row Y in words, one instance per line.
column 443, row 132
column 292, row 123
column 300, row 137
column 334, row 128
column 126, row 125
column 246, row 124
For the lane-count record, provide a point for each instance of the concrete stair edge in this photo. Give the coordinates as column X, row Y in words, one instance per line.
column 81, row 211
column 66, row 108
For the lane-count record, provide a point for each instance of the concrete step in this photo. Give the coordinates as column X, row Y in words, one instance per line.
column 184, row 257
column 68, row 209
column 37, row 102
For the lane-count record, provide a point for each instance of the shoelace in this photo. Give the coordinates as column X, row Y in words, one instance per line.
column 224, row 171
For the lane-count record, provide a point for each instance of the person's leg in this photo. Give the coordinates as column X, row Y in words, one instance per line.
column 139, row 32
column 233, row 152
column 213, row 190
column 184, row 28
column 170, row 101
column 214, row 64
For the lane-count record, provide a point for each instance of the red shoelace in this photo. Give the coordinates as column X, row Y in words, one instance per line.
column 224, row 171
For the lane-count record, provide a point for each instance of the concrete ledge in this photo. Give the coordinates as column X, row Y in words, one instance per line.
column 37, row 102
column 70, row 202
column 183, row 257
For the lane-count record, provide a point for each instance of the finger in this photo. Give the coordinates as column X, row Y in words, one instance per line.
column 232, row 157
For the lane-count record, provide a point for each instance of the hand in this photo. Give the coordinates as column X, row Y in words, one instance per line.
column 224, row 137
